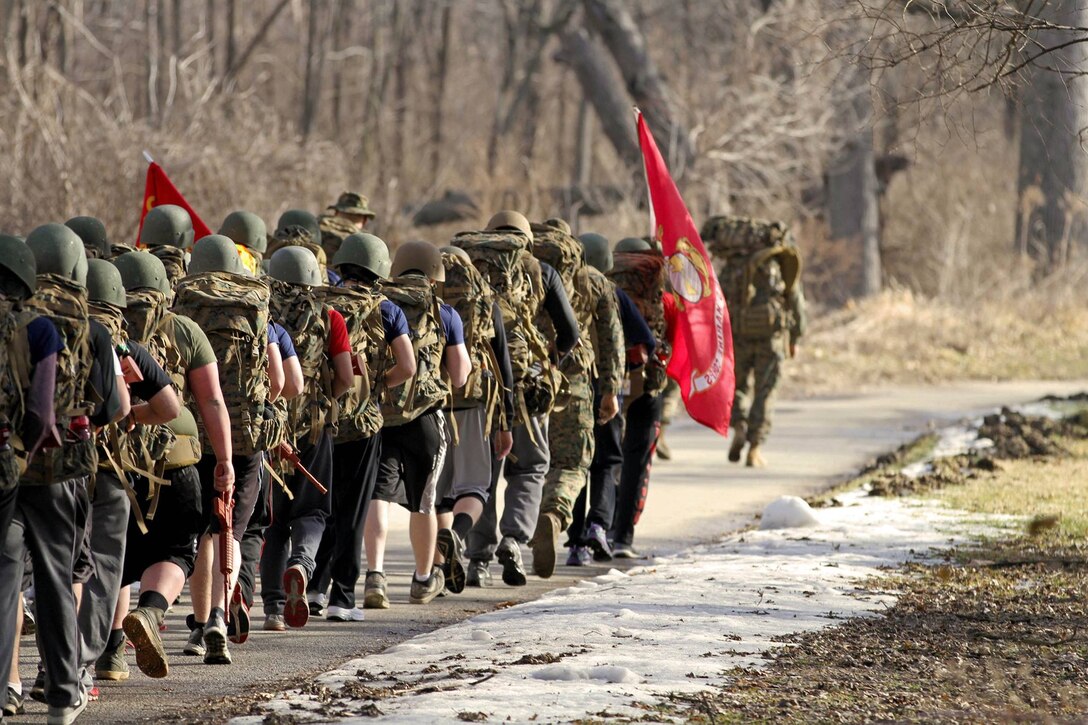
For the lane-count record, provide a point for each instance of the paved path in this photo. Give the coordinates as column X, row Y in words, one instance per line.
column 817, row 443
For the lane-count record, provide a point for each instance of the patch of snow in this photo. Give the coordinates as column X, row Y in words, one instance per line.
column 787, row 512
column 482, row 635
column 569, row 673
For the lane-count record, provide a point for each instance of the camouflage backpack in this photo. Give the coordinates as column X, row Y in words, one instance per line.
column 360, row 409
column 406, row 402
column 302, row 312
column 504, row 261
column 642, row 276
column 298, row 237
column 732, row 236
column 65, row 303
column 14, row 380
column 565, row 254
column 174, row 259
column 334, row 230
column 466, row 291
column 233, row 311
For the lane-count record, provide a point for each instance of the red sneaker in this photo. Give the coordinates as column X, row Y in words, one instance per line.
column 296, row 612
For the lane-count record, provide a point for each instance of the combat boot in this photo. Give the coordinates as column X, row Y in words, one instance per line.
column 544, row 543
column 142, row 628
column 739, row 434
column 111, row 664
column 755, row 460
column 663, row 450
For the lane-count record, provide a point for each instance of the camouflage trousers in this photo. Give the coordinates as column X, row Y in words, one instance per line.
column 758, row 370
column 570, row 440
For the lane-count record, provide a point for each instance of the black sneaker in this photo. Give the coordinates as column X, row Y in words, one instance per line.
column 424, row 592
column 142, row 627
column 215, row 640
column 509, row 555
column 13, row 704
column 195, row 646
column 597, row 541
column 452, row 549
column 478, row 574
column 238, row 626
column 30, row 625
column 37, row 690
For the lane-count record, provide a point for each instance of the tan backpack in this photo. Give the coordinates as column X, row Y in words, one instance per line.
column 427, row 389
column 360, row 407
column 642, row 276
column 14, row 380
column 564, row 253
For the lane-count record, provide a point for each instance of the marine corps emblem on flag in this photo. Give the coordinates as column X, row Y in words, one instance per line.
column 689, row 274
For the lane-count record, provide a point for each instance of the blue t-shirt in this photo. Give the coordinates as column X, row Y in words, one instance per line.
column 277, row 335
column 334, row 278
column 452, row 326
column 635, row 329
column 43, row 338
column 393, row 320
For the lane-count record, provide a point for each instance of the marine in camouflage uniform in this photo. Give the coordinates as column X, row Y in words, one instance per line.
column 570, row 429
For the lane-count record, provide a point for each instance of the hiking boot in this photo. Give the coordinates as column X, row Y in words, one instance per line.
column 663, row 451
column 215, row 640
column 67, row 715
column 195, row 646
column 238, row 626
column 111, row 665
column 37, row 690
column 425, row 591
column 142, row 628
column 478, row 574
column 755, row 460
column 452, row 549
column 13, row 703
column 274, row 623
column 579, row 556
column 296, row 611
column 596, row 539
column 544, row 542
column 374, row 596
column 737, row 448
column 625, row 551
column 509, row 555
column 317, row 603
column 345, row 614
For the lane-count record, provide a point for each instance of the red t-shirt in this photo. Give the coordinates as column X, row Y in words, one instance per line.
column 668, row 301
column 338, row 334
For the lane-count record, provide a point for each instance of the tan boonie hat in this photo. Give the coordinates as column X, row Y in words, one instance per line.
column 352, row 203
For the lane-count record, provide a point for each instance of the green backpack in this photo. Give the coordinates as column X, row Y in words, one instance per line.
column 565, row 254
column 642, row 276
column 302, row 312
column 233, row 311
column 334, row 230
column 65, row 303
column 466, row 291
column 733, row 236
column 360, row 409
column 504, row 261
column 174, row 259
column 14, row 380
column 426, row 390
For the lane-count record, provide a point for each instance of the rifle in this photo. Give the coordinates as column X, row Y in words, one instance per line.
column 224, row 511
column 285, row 451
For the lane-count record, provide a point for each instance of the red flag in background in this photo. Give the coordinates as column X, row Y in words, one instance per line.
column 160, row 190
column 702, row 353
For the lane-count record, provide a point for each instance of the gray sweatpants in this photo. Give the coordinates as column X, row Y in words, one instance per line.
column 44, row 523
column 109, row 532
column 524, row 471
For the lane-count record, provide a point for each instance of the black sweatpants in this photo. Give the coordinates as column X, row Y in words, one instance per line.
column 297, row 524
column 355, row 473
column 639, row 442
column 253, row 538
column 604, row 476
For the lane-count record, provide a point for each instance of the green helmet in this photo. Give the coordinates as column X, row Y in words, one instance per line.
column 456, row 252
column 93, row 234
column 300, row 218
column 633, row 244
column 58, row 250
column 557, row 223
column 295, row 265
column 215, row 253
column 18, row 270
column 364, row 250
column 421, row 256
column 167, row 226
column 597, row 250
column 104, row 283
column 142, row 270
column 247, row 229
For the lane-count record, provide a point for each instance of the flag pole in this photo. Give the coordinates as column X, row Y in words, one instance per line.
column 147, row 156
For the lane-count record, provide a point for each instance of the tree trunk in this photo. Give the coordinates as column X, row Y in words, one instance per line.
column 617, row 27
column 441, row 74
column 230, row 60
column 853, row 190
column 1053, row 170
column 599, row 84
column 209, row 29
column 151, row 83
column 176, row 29
column 583, row 162
column 310, row 76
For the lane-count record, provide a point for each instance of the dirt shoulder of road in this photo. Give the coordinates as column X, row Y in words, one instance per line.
column 996, row 631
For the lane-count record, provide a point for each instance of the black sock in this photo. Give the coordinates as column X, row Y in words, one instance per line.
column 152, row 598
column 462, row 524
column 117, row 639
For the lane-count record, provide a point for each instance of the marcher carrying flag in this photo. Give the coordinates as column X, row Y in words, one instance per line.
column 702, row 353
column 159, row 190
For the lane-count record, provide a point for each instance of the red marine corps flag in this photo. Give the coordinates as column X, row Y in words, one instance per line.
column 702, row 353
column 159, row 190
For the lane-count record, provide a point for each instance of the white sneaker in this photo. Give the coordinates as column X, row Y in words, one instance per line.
column 68, row 715
column 343, row 614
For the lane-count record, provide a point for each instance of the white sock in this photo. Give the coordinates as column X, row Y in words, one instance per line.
column 17, row 687
column 422, row 578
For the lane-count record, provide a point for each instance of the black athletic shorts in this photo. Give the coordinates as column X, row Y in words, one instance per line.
column 172, row 535
column 411, row 461
column 247, row 487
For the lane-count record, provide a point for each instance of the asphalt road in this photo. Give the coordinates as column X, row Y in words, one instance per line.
column 697, row 496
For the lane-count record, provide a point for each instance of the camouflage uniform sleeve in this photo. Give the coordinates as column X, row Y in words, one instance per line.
column 798, row 316
column 610, row 352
